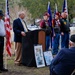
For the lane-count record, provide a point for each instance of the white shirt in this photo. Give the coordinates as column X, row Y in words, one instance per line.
column 25, row 28
column 2, row 28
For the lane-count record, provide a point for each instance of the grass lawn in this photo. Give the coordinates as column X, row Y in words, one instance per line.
column 23, row 70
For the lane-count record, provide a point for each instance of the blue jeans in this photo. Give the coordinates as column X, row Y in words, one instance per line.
column 65, row 40
column 55, row 46
column 47, row 42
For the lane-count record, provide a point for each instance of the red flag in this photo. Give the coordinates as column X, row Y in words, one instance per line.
column 8, row 28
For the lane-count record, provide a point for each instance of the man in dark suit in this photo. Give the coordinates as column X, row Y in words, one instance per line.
column 64, row 62
column 19, row 28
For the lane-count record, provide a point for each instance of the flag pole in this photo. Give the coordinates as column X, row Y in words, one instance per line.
column 67, row 11
column 56, row 7
column 48, row 4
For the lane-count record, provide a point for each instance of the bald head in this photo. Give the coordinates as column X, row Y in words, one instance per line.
column 64, row 15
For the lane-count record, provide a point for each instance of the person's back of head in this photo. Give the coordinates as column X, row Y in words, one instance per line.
column 72, row 41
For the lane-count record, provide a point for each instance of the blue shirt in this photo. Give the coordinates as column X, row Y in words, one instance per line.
column 2, row 28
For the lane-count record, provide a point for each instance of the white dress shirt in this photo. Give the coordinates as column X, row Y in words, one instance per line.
column 2, row 28
column 24, row 25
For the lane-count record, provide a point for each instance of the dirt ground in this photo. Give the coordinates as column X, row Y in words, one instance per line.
column 24, row 70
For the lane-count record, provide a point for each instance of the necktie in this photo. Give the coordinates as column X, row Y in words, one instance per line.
column 24, row 25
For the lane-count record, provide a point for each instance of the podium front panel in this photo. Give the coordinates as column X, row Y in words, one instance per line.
column 28, row 42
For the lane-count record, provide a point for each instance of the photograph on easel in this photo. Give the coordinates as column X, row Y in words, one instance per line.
column 39, row 56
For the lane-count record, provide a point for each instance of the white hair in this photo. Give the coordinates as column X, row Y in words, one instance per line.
column 21, row 12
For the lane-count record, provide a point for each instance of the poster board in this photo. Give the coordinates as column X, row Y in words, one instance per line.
column 48, row 57
column 39, row 58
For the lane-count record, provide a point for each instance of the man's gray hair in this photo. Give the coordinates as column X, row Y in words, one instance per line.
column 21, row 12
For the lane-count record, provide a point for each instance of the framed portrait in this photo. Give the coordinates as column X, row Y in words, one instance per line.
column 39, row 56
column 48, row 57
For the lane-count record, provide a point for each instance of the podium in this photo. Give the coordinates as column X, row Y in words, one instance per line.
column 32, row 38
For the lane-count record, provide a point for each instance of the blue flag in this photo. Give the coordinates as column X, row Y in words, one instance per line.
column 64, row 9
column 50, row 13
column 50, row 21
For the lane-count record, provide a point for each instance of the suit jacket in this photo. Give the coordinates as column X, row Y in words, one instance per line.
column 64, row 62
column 17, row 28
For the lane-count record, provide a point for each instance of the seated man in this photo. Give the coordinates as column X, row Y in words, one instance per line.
column 64, row 62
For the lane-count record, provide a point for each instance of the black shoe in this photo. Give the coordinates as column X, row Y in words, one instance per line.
column 4, row 70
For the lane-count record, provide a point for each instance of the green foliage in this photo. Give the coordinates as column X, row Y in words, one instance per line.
column 38, row 7
column 2, row 3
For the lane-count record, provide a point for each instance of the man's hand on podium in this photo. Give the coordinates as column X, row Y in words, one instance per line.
column 23, row 33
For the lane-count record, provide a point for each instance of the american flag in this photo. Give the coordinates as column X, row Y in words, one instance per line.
column 64, row 9
column 8, row 28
